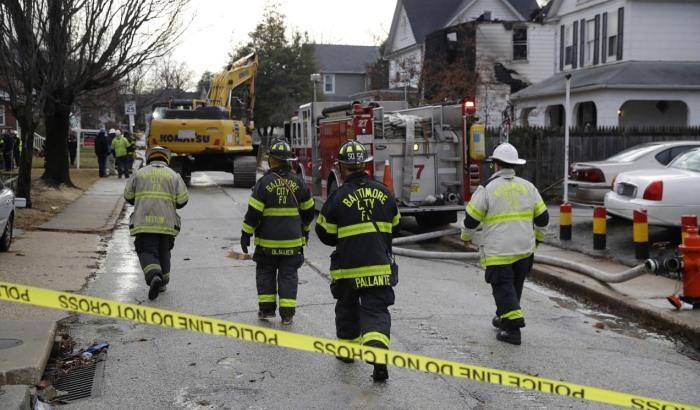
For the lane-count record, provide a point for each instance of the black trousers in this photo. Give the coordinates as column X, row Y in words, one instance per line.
column 277, row 275
column 102, row 164
column 362, row 315
column 7, row 158
column 123, row 166
column 154, row 255
column 507, row 284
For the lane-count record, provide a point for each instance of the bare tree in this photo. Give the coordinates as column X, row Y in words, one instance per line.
column 87, row 45
column 20, row 77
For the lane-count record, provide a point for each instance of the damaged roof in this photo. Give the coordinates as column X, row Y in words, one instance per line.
column 628, row 74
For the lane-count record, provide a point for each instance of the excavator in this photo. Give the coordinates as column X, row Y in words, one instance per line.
column 213, row 134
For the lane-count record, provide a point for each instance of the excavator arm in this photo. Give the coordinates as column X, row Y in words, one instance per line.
column 223, row 84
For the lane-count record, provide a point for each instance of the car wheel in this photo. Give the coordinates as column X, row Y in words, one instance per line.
column 6, row 239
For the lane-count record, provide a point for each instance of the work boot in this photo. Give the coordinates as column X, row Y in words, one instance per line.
column 496, row 322
column 509, row 336
column 155, row 287
column 265, row 314
column 287, row 319
column 380, row 373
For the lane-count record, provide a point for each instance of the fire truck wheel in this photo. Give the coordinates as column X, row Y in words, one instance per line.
column 244, row 171
column 436, row 219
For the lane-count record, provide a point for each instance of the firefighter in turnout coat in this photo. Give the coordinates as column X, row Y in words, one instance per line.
column 513, row 217
column 280, row 213
column 359, row 219
column 156, row 191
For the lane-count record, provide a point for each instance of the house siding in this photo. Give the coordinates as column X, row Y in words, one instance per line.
column 498, row 9
column 668, row 32
column 404, row 34
column 412, row 57
column 345, row 85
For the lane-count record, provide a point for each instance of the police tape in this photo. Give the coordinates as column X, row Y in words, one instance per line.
column 250, row 333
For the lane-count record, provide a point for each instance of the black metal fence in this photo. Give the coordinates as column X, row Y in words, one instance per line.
column 543, row 148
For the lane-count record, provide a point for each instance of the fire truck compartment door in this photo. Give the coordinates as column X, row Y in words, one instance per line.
column 424, row 176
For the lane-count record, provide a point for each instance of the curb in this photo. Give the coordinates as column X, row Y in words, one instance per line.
column 606, row 298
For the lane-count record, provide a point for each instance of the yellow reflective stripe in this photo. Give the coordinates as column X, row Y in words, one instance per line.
column 396, row 219
column 155, row 195
column 307, row 228
column 270, row 243
column 465, row 236
column 128, row 194
column 380, row 337
column 366, row 227
column 475, row 213
column 267, row 298
column 256, row 204
column 502, row 260
column 361, row 272
column 539, row 235
column 153, row 229
column 329, row 227
column 539, row 208
column 513, row 314
column 289, row 303
column 248, row 229
column 281, row 212
column 307, row 204
column 182, row 196
column 356, row 340
column 150, row 267
column 508, row 217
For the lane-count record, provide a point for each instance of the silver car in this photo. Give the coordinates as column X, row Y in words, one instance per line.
column 7, row 216
column 590, row 181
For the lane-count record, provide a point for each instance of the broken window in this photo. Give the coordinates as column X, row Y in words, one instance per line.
column 520, row 43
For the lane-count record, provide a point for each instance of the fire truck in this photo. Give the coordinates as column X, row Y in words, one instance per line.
column 434, row 152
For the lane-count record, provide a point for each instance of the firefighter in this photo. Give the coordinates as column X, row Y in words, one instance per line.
column 359, row 219
column 513, row 217
column 120, row 149
column 156, row 191
column 280, row 212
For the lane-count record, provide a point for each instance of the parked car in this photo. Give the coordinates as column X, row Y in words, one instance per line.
column 590, row 181
column 7, row 216
column 666, row 194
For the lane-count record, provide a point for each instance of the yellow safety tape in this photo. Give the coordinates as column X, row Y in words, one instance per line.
column 250, row 333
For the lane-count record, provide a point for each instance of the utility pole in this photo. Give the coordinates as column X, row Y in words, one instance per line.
column 567, row 122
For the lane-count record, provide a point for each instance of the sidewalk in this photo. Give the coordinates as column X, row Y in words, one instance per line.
column 61, row 255
column 642, row 299
column 96, row 211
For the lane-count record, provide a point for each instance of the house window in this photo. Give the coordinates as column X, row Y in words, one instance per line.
column 520, row 43
column 612, row 46
column 329, row 83
column 612, row 35
column 2, row 114
column 568, row 55
column 590, row 41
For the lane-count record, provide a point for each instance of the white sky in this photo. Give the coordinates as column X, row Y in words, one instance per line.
column 220, row 24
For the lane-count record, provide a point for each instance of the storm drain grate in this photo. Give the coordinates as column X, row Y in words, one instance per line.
column 83, row 382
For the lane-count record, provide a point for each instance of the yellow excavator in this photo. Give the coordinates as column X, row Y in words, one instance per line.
column 213, row 134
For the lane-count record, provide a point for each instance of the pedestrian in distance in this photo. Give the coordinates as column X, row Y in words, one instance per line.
column 157, row 192
column 72, row 147
column 102, row 151
column 280, row 213
column 8, row 149
column 513, row 217
column 130, row 151
column 111, row 160
column 359, row 219
column 18, row 147
column 120, row 149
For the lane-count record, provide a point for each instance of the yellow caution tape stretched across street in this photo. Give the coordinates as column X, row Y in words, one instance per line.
column 250, row 333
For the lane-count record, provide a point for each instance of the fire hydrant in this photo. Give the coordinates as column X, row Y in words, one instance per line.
column 691, row 269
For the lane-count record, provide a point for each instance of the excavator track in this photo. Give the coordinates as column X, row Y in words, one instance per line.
column 244, row 171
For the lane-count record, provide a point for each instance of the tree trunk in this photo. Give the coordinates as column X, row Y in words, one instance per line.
column 57, row 164
column 24, row 178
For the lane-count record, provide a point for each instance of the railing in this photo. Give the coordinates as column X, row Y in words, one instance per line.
column 39, row 142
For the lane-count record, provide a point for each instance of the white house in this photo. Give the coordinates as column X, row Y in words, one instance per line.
column 633, row 63
column 506, row 45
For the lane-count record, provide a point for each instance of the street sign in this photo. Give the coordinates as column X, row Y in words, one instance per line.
column 130, row 108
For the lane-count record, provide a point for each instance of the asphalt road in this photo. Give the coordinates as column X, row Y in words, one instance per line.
column 443, row 309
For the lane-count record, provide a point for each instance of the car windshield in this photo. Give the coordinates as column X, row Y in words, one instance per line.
column 634, row 153
column 689, row 161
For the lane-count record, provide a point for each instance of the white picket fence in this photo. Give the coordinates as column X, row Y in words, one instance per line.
column 39, row 142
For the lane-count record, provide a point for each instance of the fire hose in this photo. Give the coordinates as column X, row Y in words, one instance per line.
column 589, row 271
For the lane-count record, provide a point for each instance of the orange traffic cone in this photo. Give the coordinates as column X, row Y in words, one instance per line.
column 388, row 180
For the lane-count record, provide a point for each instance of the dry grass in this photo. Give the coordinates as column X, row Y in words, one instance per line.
column 48, row 201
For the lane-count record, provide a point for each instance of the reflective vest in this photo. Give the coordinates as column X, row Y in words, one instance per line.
column 120, row 145
column 506, row 208
column 156, row 191
column 346, row 223
column 280, row 211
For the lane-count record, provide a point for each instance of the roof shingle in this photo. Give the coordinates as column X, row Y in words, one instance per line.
column 336, row 58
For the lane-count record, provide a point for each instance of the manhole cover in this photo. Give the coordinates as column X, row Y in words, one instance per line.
column 9, row 343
